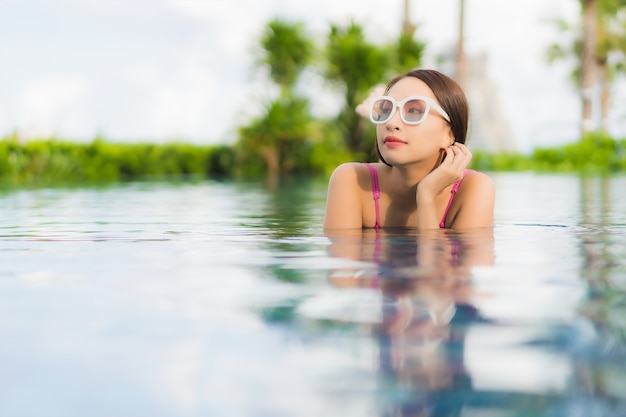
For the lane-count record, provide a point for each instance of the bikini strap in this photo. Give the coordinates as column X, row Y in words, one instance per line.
column 375, row 192
column 455, row 187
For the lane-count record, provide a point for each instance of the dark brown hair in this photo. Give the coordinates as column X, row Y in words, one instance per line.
column 450, row 96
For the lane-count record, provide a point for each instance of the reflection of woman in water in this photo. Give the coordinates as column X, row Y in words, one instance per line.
column 425, row 286
column 425, row 315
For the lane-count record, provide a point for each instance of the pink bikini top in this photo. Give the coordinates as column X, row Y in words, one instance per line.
column 376, row 195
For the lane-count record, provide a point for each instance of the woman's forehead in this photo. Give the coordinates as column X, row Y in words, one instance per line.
column 410, row 86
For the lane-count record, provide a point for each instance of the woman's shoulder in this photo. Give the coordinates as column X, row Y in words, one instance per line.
column 474, row 206
column 347, row 189
column 476, row 176
column 348, row 167
column 352, row 171
column 477, row 181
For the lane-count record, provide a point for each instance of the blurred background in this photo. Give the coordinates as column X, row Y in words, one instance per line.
column 208, row 72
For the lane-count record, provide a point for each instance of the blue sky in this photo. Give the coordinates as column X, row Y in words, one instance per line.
column 156, row 70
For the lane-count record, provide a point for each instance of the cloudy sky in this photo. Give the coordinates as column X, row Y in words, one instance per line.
column 158, row 70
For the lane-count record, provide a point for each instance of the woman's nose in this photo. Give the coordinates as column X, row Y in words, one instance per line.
column 395, row 120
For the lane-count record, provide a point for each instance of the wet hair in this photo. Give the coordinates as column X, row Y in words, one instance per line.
column 450, row 96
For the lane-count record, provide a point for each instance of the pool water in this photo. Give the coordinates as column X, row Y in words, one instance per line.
column 227, row 299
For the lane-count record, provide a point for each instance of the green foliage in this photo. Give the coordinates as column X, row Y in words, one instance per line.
column 287, row 50
column 52, row 161
column 409, row 53
column 595, row 153
column 610, row 38
column 611, row 6
column 328, row 150
column 504, row 161
column 276, row 141
column 221, row 161
column 286, row 139
column 353, row 61
column 355, row 64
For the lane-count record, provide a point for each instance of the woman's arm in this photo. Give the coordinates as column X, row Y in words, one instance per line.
column 343, row 202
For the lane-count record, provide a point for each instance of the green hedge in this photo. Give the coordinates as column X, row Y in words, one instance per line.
column 592, row 154
column 55, row 161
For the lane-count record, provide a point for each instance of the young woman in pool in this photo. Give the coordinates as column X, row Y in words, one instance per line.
column 422, row 180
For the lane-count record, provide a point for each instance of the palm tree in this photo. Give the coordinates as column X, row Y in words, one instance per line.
column 354, row 65
column 588, row 63
column 610, row 55
column 278, row 137
column 599, row 47
column 460, row 51
column 286, row 51
column 408, row 28
column 280, row 134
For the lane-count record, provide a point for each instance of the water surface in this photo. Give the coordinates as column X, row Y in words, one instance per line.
column 226, row 299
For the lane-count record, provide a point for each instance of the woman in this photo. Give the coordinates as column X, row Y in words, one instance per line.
column 422, row 180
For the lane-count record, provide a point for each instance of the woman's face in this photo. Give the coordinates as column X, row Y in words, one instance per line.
column 400, row 143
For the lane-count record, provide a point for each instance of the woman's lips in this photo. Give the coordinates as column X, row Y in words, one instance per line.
column 393, row 141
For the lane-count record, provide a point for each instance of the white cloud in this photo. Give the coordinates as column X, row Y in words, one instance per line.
column 159, row 69
column 44, row 105
column 183, row 106
column 233, row 23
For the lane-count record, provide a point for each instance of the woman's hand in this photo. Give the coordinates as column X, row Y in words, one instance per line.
column 456, row 159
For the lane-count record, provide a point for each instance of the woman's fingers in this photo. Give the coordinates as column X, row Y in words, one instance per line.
column 461, row 151
column 458, row 157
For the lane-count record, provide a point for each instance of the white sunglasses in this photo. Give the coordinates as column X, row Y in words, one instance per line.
column 413, row 109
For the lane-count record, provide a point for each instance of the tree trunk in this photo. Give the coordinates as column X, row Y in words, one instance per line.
column 588, row 64
column 407, row 27
column 461, row 68
column 605, row 98
column 272, row 160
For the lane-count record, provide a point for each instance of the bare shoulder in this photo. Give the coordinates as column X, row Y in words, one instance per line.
column 477, row 189
column 347, row 172
column 477, row 181
column 348, row 180
column 476, row 201
column 346, row 187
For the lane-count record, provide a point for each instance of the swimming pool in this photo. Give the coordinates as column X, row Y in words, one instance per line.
column 226, row 299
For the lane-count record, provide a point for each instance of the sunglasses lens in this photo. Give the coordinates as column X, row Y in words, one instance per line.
column 382, row 110
column 414, row 110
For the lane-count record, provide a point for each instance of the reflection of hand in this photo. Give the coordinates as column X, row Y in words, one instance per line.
column 420, row 310
column 363, row 109
column 456, row 159
column 402, row 316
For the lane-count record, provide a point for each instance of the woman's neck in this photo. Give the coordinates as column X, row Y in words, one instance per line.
column 407, row 177
column 403, row 179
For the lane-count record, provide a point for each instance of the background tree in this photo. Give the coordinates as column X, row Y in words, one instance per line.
column 409, row 51
column 286, row 51
column 280, row 135
column 354, row 65
column 588, row 62
column 611, row 51
column 598, row 47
